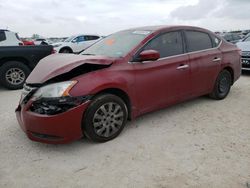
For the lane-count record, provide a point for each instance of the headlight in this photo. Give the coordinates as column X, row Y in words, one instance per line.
column 57, row 45
column 60, row 89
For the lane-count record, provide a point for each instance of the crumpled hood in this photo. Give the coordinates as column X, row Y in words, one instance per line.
column 244, row 46
column 56, row 64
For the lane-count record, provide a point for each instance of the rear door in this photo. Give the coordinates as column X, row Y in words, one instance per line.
column 166, row 80
column 205, row 60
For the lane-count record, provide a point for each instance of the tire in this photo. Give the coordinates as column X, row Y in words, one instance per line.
column 99, row 127
column 44, row 43
column 66, row 50
column 13, row 74
column 222, row 85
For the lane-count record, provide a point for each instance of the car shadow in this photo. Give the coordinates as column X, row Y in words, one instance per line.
column 5, row 89
column 2, row 88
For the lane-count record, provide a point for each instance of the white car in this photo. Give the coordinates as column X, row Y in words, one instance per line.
column 9, row 38
column 76, row 43
column 244, row 45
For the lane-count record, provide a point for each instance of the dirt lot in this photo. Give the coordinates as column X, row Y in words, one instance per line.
column 199, row 143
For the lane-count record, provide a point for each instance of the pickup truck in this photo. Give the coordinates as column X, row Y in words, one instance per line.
column 16, row 63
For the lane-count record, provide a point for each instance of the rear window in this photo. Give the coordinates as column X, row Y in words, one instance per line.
column 236, row 37
column 2, row 36
column 228, row 37
column 197, row 41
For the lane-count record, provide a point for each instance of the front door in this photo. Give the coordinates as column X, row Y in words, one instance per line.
column 167, row 80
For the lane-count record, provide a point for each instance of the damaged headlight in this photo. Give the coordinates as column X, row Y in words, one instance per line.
column 60, row 89
column 55, row 98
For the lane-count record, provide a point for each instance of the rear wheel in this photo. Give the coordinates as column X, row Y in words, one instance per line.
column 105, row 118
column 13, row 74
column 222, row 85
column 66, row 50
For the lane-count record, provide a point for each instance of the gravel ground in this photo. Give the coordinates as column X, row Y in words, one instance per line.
column 199, row 143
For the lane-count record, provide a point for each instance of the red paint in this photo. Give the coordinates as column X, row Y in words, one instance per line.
column 28, row 43
column 149, row 55
column 149, row 85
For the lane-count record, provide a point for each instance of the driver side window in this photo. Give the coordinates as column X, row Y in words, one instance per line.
column 168, row 44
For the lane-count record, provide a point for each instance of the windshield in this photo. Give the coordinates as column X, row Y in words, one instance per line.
column 69, row 39
column 247, row 39
column 117, row 44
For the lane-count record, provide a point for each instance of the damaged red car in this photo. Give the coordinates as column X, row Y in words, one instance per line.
column 121, row 77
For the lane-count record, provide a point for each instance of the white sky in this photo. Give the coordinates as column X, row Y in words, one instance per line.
column 67, row 17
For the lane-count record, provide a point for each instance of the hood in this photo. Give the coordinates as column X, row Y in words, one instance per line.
column 57, row 64
column 244, row 46
column 57, row 44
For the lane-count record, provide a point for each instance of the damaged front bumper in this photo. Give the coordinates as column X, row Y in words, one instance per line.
column 55, row 129
column 51, row 120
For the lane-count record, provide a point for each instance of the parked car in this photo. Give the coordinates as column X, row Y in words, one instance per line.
column 245, row 56
column 246, row 37
column 231, row 37
column 16, row 63
column 125, row 75
column 42, row 41
column 9, row 38
column 76, row 43
column 27, row 42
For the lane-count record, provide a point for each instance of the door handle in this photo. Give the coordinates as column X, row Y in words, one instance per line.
column 182, row 67
column 216, row 59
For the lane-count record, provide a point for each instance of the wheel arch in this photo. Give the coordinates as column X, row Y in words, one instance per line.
column 18, row 59
column 230, row 69
column 66, row 47
column 120, row 93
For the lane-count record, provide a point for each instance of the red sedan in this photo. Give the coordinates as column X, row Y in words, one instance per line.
column 125, row 75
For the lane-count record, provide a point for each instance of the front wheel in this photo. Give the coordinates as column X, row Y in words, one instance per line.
column 105, row 118
column 66, row 51
column 222, row 85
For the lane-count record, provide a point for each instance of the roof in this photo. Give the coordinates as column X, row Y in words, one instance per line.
column 163, row 27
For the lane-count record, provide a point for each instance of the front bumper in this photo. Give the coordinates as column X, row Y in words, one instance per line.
column 54, row 129
column 245, row 60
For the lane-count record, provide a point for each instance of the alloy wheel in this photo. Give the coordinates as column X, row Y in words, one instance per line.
column 108, row 119
column 15, row 76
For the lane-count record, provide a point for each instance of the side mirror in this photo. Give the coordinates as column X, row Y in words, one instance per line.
column 149, row 55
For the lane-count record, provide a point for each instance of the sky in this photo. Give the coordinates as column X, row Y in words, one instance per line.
column 59, row 18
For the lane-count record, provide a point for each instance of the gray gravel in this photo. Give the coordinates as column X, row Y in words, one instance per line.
column 199, row 143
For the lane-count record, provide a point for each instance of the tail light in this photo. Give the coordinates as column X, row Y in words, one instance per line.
column 53, row 51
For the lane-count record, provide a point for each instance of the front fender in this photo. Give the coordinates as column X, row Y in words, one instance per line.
column 95, row 82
